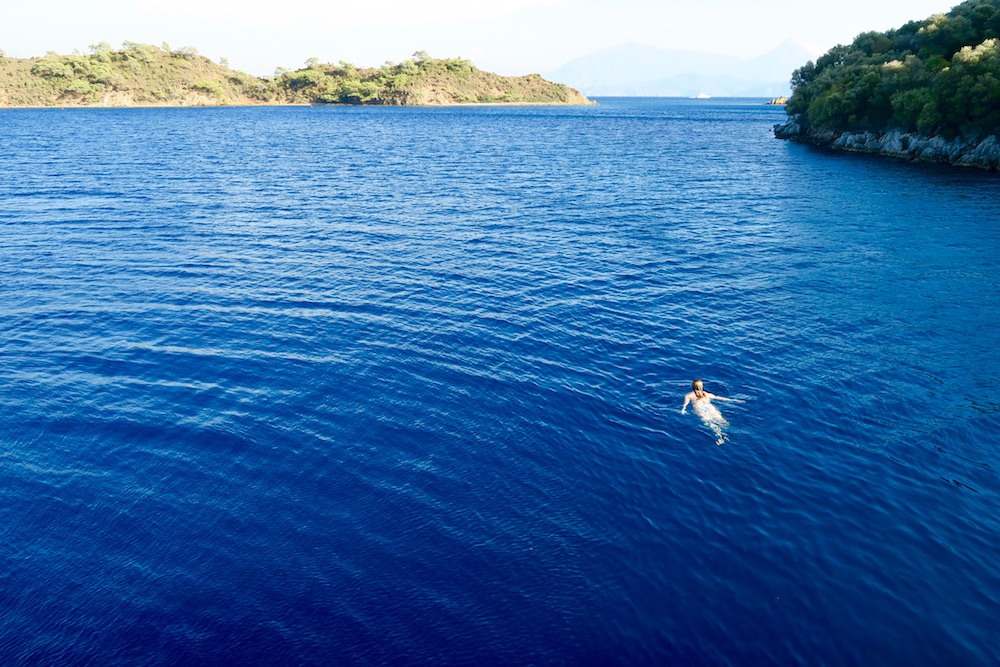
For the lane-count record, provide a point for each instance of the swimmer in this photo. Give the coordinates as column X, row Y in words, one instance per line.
column 701, row 405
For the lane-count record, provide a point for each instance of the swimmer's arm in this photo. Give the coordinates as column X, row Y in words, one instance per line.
column 687, row 399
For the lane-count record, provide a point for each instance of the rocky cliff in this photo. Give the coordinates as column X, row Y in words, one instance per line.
column 981, row 153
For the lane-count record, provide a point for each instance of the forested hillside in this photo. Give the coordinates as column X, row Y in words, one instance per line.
column 135, row 74
column 935, row 77
column 142, row 74
column 420, row 80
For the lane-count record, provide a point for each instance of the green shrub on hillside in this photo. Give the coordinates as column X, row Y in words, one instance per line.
column 52, row 66
column 145, row 53
column 186, row 52
column 210, row 87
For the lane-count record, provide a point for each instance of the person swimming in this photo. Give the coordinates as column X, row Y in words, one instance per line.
column 701, row 404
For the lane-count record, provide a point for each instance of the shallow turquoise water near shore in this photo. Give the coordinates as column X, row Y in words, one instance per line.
column 392, row 386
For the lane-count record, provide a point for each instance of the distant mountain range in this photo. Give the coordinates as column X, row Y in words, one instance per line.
column 638, row 70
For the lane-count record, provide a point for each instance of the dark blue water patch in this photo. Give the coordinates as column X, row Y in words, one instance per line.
column 394, row 386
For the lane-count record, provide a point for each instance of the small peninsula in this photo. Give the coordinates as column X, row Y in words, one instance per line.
column 928, row 91
column 146, row 75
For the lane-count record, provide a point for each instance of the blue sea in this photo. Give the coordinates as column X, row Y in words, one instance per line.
column 403, row 386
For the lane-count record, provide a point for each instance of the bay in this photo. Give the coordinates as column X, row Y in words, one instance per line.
column 403, row 385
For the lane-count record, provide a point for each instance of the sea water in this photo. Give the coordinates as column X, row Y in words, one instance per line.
column 403, row 386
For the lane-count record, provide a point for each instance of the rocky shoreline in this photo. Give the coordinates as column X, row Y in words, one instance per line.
column 983, row 153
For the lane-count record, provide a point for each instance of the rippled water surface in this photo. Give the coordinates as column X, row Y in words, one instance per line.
column 403, row 386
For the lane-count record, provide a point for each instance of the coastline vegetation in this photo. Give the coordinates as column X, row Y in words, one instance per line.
column 146, row 75
column 936, row 77
column 420, row 80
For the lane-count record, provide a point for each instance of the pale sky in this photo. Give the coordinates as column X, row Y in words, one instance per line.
column 504, row 36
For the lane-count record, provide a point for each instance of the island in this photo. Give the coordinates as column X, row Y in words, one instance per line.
column 146, row 75
column 928, row 91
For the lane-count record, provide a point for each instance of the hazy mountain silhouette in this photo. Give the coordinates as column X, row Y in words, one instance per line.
column 635, row 69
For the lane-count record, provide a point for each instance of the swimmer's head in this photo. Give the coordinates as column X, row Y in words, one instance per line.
column 697, row 385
